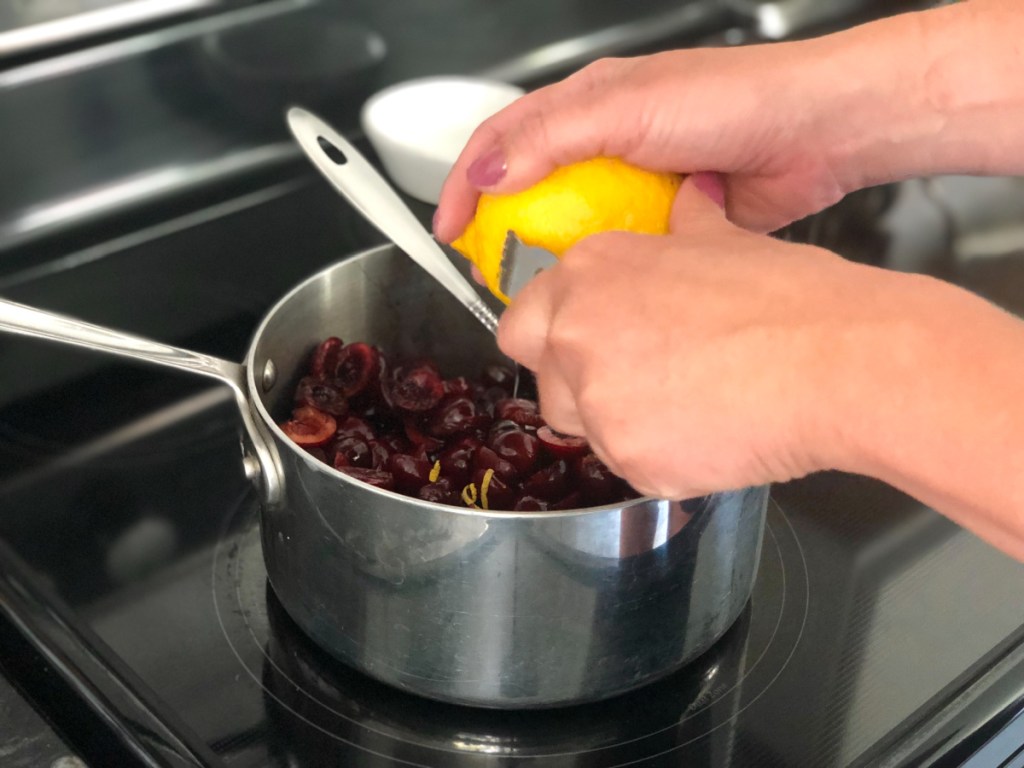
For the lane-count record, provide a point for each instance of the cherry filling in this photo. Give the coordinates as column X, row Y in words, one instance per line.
column 458, row 441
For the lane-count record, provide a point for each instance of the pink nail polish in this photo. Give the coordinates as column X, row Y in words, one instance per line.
column 488, row 169
column 711, row 184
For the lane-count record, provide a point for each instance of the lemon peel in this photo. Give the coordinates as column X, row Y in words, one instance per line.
column 469, row 495
column 485, row 483
column 574, row 201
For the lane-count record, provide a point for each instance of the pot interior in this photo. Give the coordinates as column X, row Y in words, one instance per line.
column 380, row 297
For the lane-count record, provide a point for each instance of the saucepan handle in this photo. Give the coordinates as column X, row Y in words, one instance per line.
column 260, row 459
column 369, row 193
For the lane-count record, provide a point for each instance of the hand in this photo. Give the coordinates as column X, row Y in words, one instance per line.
column 681, row 111
column 700, row 361
column 793, row 126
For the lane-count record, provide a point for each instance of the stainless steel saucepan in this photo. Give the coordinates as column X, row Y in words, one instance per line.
column 494, row 609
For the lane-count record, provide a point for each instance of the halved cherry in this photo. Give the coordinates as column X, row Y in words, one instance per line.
column 573, row 501
column 498, row 375
column 456, row 415
column 410, row 472
column 309, row 427
column 550, row 483
column 561, row 444
column 413, row 428
column 355, row 452
column 517, row 447
column 355, row 426
column 492, row 492
column 375, row 477
column 414, row 389
column 485, row 458
column 322, row 395
column 457, row 460
column 460, row 385
column 380, row 452
column 527, row 503
column 597, row 483
column 357, row 368
column 316, row 452
column 325, row 357
column 520, row 410
column 440, row 492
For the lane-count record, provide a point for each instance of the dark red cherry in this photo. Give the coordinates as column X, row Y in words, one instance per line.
column 485, row 458
column 519, row 410
column 490, row 397
column 357, row 368
column 375, row 477
column 457, row 460
column 322, row 395
column 354, row 452
column 527, row 503
column 416, row 389
column 561, row 444
column 573, row 501
column 551, row 482
column 503, row 376
column 413, row 429
column 423, row 452
column 460, row 385
column 308, row 426
column 440, row 492
column 325, row 357
column 317, row 453
column 456, row 415
column 353, row 426
column 396, row 443
column 410, row 472
column 597, row 483
column 380, row 452
column 517, row 447
column 495, row 493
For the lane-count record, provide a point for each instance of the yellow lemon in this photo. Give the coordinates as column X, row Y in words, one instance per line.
column 571, row 203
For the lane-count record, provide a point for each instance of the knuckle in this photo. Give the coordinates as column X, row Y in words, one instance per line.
column 535, row 129
column 597, row 72
column 564, row 335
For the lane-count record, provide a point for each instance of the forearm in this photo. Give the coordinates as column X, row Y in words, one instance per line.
column 934, row 92
column 939, row 395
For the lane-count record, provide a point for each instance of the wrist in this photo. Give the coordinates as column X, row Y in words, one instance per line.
column 933, row 404
column 918, row 94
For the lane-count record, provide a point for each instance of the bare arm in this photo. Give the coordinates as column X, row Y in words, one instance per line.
column 793, row 126
column 940, row 91
column 742, row 360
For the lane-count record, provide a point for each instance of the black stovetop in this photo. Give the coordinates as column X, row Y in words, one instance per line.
column 138, row 619
column 136, row 623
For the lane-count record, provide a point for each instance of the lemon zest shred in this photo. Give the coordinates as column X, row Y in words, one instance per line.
column 484, row 483
column 435, row 471
column 469, row 495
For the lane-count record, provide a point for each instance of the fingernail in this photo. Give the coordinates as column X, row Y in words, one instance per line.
column 488, row 169
column 435, row 220
column 711, row 184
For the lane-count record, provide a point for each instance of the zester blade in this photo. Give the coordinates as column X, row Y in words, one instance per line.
column 520, row 263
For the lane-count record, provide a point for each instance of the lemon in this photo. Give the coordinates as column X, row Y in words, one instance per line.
column 571, row 203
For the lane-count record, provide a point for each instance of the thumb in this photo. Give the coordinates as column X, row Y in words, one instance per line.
column 701, row 196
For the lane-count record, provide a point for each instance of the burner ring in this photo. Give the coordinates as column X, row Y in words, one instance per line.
column 322, row 704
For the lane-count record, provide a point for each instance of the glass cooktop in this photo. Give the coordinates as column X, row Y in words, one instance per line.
column 136, row 615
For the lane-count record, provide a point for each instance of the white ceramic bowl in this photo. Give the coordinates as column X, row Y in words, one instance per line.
column 419, row 127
